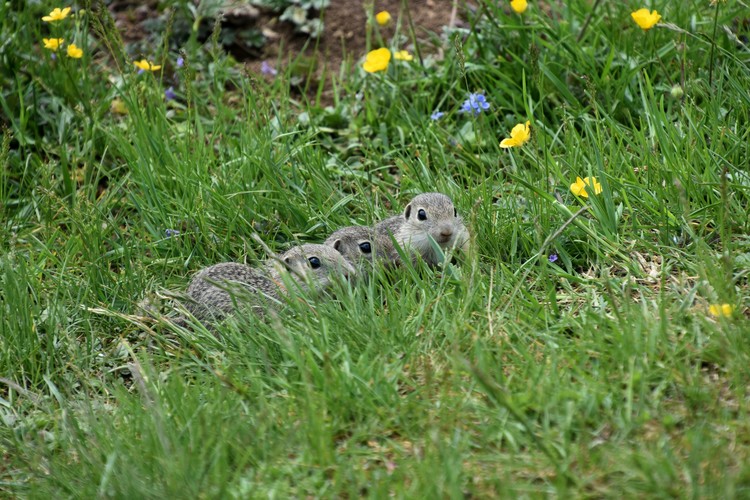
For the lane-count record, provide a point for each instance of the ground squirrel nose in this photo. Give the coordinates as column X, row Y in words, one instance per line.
column 349, row 273
column 446, row 231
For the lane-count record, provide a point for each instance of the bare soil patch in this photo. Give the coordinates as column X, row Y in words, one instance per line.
column 344, row 35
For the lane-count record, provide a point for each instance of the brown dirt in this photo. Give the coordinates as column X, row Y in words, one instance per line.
column 345, row 30
column 344, row 35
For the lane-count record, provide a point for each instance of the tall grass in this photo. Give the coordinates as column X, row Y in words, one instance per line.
column 572, row 353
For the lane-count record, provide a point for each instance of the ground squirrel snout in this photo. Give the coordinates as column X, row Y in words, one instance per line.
column 221, row 289
column 427, row 216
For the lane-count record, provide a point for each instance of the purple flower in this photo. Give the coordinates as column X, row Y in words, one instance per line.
column 475, row 104
column 552, row 257
column 267, row 69
column 169, row 94
column 53, row 56
column 180, row 62
column 171, row 232
column 436, row 115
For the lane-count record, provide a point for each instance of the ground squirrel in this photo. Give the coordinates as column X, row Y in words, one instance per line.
column 219, row 290
column 427, row 215
column 355, row 243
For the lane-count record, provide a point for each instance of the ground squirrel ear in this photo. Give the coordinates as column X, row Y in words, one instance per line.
column 337, row 245
column 407, row 211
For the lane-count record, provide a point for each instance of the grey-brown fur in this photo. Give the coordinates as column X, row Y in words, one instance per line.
column 355, row 243
column 221, row 289
column 441, row 222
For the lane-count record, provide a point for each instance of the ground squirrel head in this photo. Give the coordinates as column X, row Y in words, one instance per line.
column 320, row 265
column 355, row 243
column 432, row 215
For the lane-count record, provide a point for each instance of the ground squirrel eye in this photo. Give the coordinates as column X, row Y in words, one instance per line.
column 314, row 262
column 365, row 247
column 422, row 215
column 455, row 213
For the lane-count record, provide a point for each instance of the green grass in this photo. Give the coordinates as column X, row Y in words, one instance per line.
column 599, row 375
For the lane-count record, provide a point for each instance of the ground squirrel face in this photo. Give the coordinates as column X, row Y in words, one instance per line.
column 319, row 264
column 355, row 243
column 432, row 215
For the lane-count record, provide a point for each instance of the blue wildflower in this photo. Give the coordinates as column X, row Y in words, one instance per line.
column 475, row 104
column 267, row 69
column 180, row 62
column 436, row 115
column 552, row 257
column 169, row 94
column 171, row 232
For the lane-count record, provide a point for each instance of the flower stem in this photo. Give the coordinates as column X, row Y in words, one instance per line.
column 713, row 46
column 587, row 21
column 413, row 32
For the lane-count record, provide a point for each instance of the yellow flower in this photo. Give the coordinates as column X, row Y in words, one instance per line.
column 144, row 65
column 74, row 51
column 519, row 136
column 717, row 310
column 645, row 19
column 56, row 15
column 383, row 17
column 52, row 43
column 403, row 55
column 519, row 6
column 377, row 60
column 579, row 188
